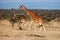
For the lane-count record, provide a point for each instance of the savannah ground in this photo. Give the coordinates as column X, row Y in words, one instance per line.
column 7, row 32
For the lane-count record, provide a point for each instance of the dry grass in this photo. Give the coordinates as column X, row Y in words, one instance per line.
column 7, row 32
column 20, row 32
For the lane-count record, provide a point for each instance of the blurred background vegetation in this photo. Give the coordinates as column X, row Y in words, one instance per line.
column 48, row 15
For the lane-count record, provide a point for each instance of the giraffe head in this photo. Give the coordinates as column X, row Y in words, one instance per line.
column 22, row 6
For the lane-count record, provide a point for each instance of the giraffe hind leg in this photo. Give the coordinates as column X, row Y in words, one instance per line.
column 42, row 26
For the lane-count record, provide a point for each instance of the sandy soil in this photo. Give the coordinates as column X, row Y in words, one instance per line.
column 7, row 32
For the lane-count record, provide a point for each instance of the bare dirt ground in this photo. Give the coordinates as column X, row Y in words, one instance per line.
column 7, row 32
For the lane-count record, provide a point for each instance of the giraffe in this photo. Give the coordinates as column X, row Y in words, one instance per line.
column 34, row 17
column 22, row 22
column 23, row 19
column 13, row 19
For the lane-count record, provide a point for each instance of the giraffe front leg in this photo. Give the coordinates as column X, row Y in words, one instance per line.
column 44, row 28
column 30, row 25
column 25, row 24
column 34, row 27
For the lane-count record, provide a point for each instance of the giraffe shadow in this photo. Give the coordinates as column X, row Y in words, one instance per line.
column 4, row 36
column 35, row 35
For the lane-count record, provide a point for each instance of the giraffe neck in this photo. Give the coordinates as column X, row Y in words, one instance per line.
column 31, row 14
column 26, row 10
